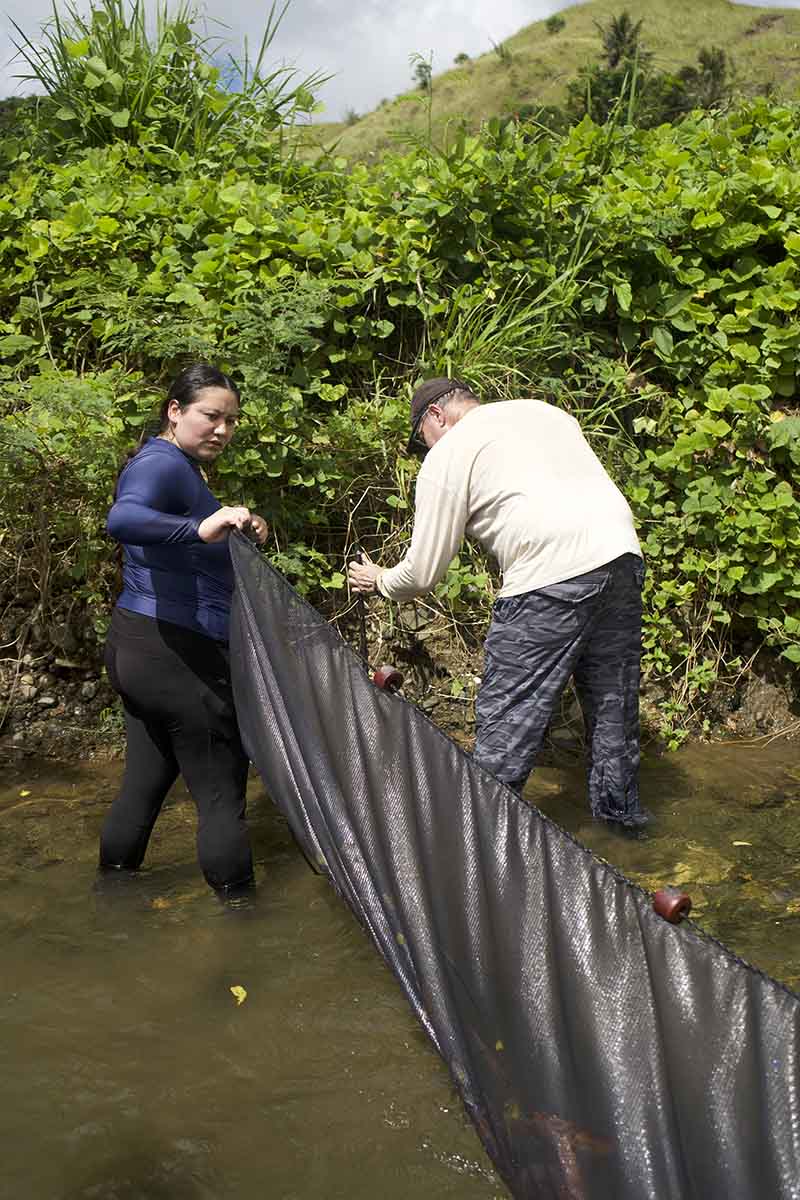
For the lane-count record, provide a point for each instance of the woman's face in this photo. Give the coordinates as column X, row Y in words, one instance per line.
column 204, row 429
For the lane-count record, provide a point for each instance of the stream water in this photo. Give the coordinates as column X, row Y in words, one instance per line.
column 129, row 1071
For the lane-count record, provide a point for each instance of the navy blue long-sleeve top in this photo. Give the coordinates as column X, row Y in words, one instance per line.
column 167, row 571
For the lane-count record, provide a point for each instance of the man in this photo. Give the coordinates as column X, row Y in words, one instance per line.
column 520, row 477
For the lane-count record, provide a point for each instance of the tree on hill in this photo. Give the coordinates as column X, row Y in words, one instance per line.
column 627, row 83
column 628, row 80
column 555, row 23
column 620, row 40
column 423, row 74
column 712, row 82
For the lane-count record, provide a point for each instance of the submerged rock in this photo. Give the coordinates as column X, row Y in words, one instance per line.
column 701, row 864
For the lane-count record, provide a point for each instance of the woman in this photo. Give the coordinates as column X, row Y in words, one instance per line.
column 166, row 653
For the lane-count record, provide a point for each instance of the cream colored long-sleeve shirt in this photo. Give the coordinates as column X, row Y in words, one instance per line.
column 520, row 478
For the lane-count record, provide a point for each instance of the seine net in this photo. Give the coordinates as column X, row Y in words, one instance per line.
column 602, row 1053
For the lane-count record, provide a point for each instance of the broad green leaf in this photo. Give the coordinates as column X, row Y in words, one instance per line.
column 76, row 49
column 741, row 233
column 710, row 220
column 744, row 351
column 79, row 217
column 623, row 294
column 628, row 333
column 674, row 303
column 121, row 118
column 234, row 194
column 744, row 268
column 16, row 343
column 750, row 391
column 718, row 399
column 783, row 433
column 308, row 241
column 663, row 340
column 185, row 293
column 734, row 323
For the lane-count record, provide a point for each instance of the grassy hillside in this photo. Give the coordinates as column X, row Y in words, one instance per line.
column 535, row 66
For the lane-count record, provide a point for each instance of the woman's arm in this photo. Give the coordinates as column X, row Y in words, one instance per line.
column 131, row 521
column 145, row 491
column 138, row 515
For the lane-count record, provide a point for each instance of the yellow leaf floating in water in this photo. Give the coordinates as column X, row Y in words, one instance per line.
column 23, row 794
column 239, row 993
column 742, row 843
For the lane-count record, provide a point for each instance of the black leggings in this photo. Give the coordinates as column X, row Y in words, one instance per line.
column 180, row 719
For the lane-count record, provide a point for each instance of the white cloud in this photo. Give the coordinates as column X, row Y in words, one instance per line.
column 368, row 45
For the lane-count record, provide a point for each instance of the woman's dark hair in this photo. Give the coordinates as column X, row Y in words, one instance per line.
column 184, row 390
column 185, row 387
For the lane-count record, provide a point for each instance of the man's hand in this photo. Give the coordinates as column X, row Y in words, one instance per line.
column 363, row 576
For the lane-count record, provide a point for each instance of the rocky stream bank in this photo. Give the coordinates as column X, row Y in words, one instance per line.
column 56, row 702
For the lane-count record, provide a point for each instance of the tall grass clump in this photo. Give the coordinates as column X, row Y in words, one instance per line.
column 113, row 75
column 503, row 343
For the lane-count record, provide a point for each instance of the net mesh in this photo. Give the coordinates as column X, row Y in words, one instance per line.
column 600, row 1051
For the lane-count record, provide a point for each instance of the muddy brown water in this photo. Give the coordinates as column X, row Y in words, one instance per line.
column 129, row 1071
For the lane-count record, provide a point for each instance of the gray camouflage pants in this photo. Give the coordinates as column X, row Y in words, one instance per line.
column 589, row 628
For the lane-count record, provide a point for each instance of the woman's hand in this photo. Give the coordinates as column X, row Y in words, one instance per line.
column 217, row 527
column 258, row 530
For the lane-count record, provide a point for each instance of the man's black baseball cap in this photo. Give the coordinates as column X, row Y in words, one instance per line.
column 428, row 393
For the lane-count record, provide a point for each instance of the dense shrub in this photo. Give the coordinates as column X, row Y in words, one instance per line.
column 648, row 280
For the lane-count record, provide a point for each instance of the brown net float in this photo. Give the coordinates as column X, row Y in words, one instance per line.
column 388, row 678
column 672, row 904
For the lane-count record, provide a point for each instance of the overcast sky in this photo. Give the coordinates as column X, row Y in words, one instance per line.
column 364, row 44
